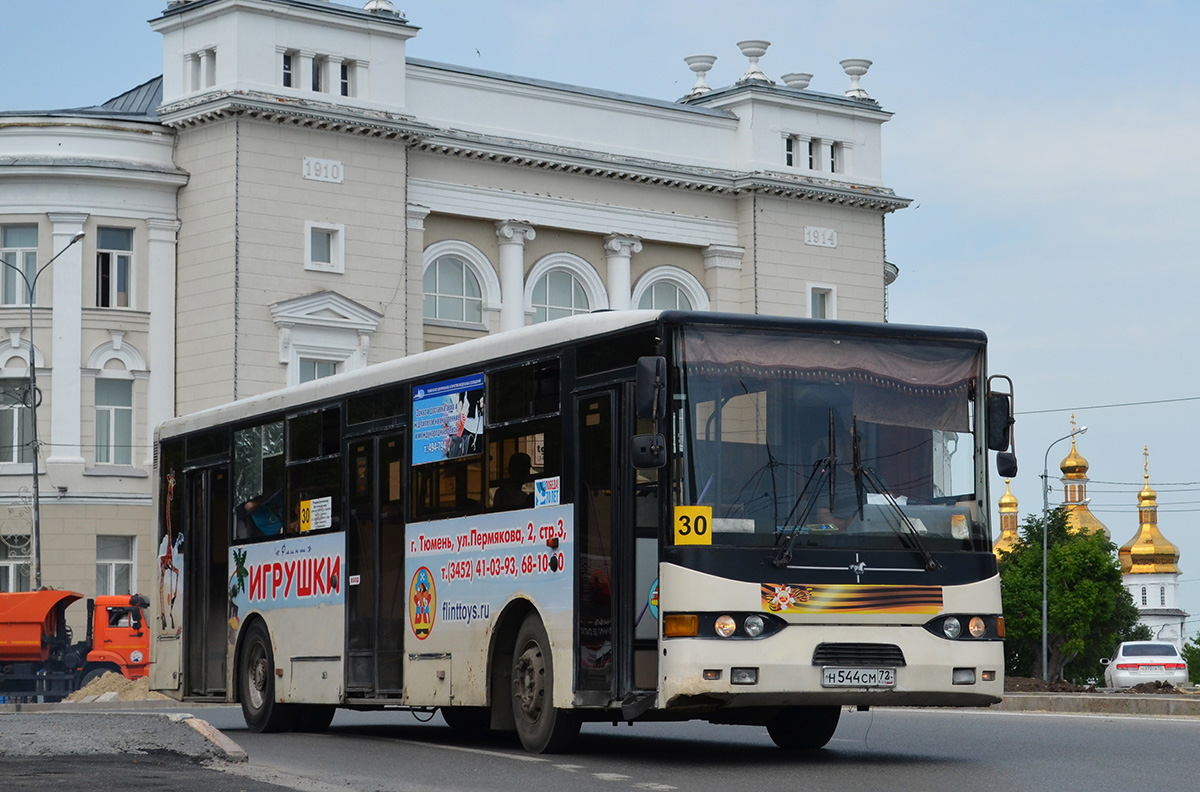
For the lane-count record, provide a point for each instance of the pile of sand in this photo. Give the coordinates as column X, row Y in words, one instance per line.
column 112, row 682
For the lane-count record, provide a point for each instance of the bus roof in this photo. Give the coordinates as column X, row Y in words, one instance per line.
column 529, row 339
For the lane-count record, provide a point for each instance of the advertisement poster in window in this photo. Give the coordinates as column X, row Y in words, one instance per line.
column 448, row 419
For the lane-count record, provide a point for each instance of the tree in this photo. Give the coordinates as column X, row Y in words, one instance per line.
column 1191, row 653
column 1090, row 611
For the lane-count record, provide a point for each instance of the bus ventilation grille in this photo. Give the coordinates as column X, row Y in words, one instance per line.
column 858, row 654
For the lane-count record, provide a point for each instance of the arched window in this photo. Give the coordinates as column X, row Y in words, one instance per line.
column 460, row 284
column 670, row 288
column 1143, row 596
column 563, row 284
column 114, row 366
column 452, row 291
column 1162, row 596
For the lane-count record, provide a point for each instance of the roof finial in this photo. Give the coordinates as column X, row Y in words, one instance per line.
column 1146, row 467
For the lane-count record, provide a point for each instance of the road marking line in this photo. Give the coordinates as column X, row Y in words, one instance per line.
column 611, row 776
column 569, row 768
column 519, row 757
column 653, row 786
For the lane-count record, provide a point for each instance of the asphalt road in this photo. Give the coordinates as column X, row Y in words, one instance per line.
column 894, row 750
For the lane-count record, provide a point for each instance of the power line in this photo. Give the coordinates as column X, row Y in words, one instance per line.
column 1108, row 406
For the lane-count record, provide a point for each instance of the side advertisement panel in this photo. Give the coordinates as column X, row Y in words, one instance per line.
column 461, row 572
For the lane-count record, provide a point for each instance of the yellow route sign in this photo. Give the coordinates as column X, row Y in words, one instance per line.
column 693, row 525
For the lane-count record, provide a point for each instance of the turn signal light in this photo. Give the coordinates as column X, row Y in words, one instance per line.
column 680, row 625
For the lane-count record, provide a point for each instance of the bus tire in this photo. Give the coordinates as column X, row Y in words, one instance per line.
column 468, row 720
column 256, row 684
column 804, row 728
column 541, row 727
column 313, row 718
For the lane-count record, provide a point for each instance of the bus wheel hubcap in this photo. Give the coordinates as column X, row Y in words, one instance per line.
column 529, row 681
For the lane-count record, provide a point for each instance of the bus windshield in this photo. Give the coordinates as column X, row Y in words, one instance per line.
column 830, row 441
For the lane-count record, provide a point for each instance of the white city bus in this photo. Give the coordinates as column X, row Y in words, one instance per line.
column 626, row 516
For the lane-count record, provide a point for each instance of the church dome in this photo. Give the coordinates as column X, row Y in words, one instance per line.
column 1007, row 541
column 1073, row 465
column 1148, row 551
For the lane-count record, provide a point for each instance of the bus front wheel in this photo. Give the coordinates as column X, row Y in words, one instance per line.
column 541, row 727
column 256, row 684
column 804, row 728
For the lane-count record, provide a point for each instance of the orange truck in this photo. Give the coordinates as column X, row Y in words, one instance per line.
column 38, row 658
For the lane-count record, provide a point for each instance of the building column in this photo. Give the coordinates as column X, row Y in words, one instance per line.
column 304, row 70
column 161, row 358
column 722, row 276
column 619, row 251
column 512, row 235
column 208, row 68
column 414, row 321
column 66, row 360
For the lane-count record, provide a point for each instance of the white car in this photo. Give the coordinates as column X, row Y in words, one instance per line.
column 1145, row 661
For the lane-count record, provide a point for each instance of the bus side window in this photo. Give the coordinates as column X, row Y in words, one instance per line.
column 516, row 461
column 447, row 488
column 258, row 480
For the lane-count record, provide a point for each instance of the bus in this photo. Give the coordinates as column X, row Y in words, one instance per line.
column 619, row 516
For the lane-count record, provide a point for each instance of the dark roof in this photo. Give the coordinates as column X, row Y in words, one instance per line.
column 137, row 104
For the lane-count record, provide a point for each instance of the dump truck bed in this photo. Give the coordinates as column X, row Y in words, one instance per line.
column 26, row 618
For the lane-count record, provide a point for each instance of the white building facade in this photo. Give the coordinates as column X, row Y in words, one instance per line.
column 304, row 199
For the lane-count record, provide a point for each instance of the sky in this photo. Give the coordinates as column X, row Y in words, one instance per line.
column 1049, row 149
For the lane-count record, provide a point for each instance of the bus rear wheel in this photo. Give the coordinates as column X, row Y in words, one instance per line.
column 541, row 727
column 256, row 684
column 804, row 728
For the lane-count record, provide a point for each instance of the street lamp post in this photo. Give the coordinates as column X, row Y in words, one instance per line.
column 36, row 535
column 1045, row 542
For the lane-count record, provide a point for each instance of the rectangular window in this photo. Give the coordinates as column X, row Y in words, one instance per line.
column 14, row 563
column 814, row 147
column 789, row 152
column 258, row 479
column 347, row 87
column 15, row 426
column 114, row 422
column 821, row 303
column 114, row 565
column 318, row 66
column 311, row 369
column 114, row 256
column 324, row 247
column 18, row 248
column 835, row 158
column 289, row 75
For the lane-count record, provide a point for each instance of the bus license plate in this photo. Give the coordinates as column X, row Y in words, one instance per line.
column 832, row 676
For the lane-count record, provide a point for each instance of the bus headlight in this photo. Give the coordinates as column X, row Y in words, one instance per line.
column 725, row 626
column 976, row 627
column 754, row 625
column 952, row 627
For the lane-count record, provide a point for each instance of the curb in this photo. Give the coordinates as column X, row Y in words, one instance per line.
column 1093, row 704
column 233, row 752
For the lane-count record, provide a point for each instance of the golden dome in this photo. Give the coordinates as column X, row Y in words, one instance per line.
column 1080, row 520
column 1008, row 501
column 1148, row 551
column 1007, row 541
column 1073, row 464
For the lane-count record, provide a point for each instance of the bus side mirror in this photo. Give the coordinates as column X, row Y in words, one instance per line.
column 999, row 421
column 648, row 451
column 1006, row 465
column 651, row 393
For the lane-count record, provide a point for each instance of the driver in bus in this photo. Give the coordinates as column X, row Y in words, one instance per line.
column 511, row 493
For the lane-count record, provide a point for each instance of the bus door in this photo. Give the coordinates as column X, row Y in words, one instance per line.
column 206, row 581
column 375, row 598
column 614, row 651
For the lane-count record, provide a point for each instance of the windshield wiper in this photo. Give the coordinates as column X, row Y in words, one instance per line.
column 862, row 472
column 820, row 473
